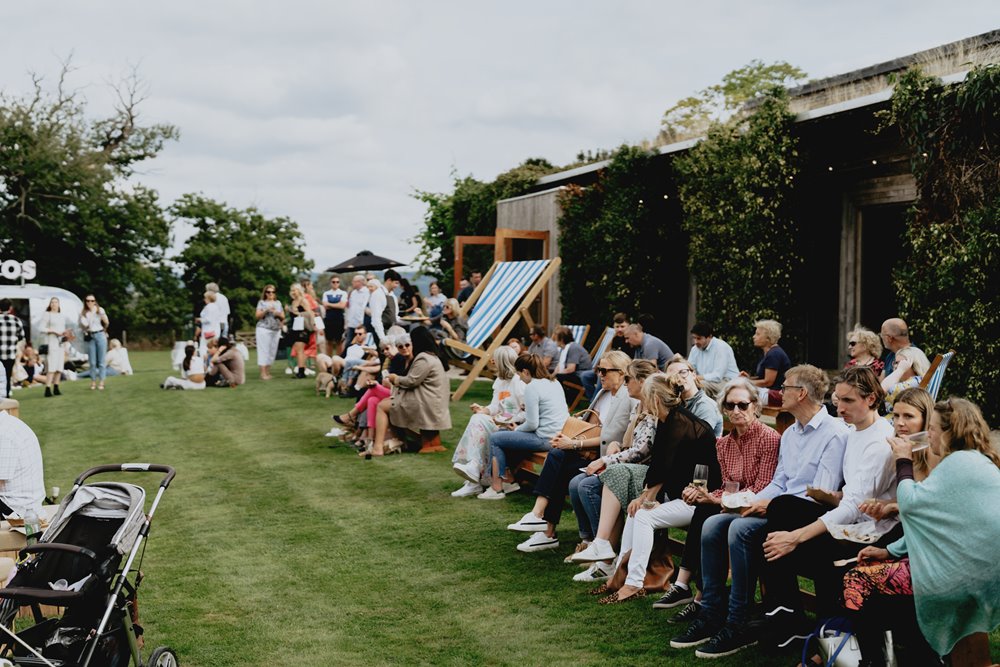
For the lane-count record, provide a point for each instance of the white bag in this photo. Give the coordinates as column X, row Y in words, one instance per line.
column 298, row 323
column 841, row 649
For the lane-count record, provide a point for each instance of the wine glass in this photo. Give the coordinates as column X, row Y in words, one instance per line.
column 700, row 479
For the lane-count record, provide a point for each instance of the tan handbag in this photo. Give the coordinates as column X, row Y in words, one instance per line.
column 659, row 569
column 577, row 427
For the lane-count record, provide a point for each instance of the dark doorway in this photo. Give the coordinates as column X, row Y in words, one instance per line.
column 882, row 249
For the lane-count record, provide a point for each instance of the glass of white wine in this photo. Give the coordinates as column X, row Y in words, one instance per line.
column 700, row 479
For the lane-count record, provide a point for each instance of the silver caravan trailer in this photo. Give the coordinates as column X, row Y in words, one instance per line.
column 30, row 301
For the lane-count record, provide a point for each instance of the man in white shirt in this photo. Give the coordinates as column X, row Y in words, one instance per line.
column 222, row 305
column 357, row 301
column 801, row 533
column 712, row 358
column 22, row 482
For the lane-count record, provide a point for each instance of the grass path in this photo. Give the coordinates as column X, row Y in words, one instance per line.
column 271, row 548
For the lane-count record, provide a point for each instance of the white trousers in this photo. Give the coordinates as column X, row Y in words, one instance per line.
column 638, row 534
column 182, row 383
column 267, row 345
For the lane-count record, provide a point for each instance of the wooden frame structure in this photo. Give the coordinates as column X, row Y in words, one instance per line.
column 498, row 336
column 460, row 243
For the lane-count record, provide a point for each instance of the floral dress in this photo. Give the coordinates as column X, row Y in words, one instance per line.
column 625, row 476
column 507, row 407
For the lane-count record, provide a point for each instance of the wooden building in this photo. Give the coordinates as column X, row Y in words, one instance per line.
column 851, row 198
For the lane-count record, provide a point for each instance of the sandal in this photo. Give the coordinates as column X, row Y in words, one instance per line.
column 393, row 446
column 614, row 598
column 345, row 420
column 600, row 590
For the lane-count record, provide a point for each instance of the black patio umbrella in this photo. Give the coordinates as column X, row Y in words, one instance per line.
column 364, row 260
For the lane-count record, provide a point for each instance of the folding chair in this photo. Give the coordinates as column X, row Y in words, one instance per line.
column 935, row 374
column 500, row 301
column 579, row 332
column 602, row 346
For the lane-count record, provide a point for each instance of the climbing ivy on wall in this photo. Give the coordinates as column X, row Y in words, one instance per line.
column 621, row 246
column 949, row 287
column 735, row 188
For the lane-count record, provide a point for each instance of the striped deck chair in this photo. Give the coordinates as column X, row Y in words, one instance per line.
column 500, row 301
column 579, row 331
column 602, row 346
column 935, row 374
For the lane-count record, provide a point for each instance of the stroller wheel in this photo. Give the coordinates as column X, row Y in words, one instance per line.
column 162, row 656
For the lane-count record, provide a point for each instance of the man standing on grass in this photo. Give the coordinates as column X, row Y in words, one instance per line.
column 11, row 331
column 357, row 301
column 22, row 482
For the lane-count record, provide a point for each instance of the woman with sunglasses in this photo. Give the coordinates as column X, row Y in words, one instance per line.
column 270, row 316
column 695, row 398
column 865, row 348
column 94, row 322
column 748, row 455
column 610, row 414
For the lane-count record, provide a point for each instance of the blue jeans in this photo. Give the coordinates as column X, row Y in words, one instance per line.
column 516, row 443
column 588, row 379
column 731, row 541
column 585, row 494
column 97, row 346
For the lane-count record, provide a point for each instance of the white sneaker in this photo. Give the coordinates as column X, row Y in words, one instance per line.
column 490, row 494
column 511, row 487
column 468, row 489
column 335, row 432
column 538, row 542
column 468, row 471
column 596, row 572
column 529, row 523
column 593, row 552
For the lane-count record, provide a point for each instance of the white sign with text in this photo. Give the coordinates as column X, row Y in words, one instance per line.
column 11, row 269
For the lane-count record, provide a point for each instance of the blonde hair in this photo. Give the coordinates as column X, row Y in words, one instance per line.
column 211, row 296
column 771, row 330
column 919, row 362
column 617, row 360
column 504, row 357
column 295, row 288
column 659, row 390
column 867, row 339
column 964, row 428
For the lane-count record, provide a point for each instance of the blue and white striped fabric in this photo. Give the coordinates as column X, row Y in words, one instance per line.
column 505, row 290
column 370, row 340
column 579, row 332
column 605, row 344
column 934, row 386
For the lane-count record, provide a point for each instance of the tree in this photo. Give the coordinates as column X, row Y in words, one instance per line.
column 470, row 209
column 67, row 198
column 241, row 250
column 739, row 90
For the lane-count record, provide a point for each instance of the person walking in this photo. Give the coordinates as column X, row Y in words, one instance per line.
column 54, row 327
column 11, row 331
column 94, row 322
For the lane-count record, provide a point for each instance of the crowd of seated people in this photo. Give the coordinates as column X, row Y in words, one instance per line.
column 765, row 507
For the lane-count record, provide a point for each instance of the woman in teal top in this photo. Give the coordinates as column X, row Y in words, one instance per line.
column 951, row 528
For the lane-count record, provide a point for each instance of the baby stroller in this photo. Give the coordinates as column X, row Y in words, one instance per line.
column 77, row 565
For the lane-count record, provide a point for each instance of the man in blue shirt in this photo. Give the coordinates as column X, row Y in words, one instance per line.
column 811, row 455
column 713, row 358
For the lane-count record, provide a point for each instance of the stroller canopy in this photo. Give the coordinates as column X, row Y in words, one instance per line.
column 103, row 500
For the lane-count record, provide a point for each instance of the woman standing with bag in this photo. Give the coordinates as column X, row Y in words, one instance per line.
column 53, row 326
column 303, row 324
column 270, row 316
column 94, row 322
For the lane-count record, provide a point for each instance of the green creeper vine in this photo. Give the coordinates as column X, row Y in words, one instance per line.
column 949, row 287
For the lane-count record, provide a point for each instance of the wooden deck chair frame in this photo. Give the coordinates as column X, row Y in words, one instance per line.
column 577, row 328
column 928, row 378
column 609, row 333
column 499, row 337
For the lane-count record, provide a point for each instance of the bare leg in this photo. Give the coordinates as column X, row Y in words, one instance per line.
column 611, row 511
column 496, row 482
column 540, row 504
column 381, row 427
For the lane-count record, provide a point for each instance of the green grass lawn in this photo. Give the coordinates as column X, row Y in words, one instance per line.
column 272, row 548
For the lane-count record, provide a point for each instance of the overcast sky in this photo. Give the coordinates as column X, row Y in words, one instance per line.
column 333, row 113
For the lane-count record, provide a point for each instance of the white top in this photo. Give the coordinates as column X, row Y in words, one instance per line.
column 197, row 367
column 561, row 364
column 354, row 352
column 602, row 403
column 222, row 302
column 22, row 482
column 376, row 304
column 53, row 324
column 435, row 299
column 869, row 472
column 211, row 319
column 93, row 322
column 716, row 362
column 117, row 358
column 330, row 297
column 544, row 408
column 508, row 398
column 357, row 301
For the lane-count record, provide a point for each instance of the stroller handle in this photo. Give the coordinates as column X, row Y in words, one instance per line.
column 167, row 471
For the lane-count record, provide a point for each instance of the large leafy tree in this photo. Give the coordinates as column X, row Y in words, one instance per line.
column 241, row 250
column 68, row 198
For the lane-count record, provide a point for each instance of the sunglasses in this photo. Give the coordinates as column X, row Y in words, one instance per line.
column 743, row 406
column 852, row 343
column 269, row 291
column 405, row 345
column 91, row 301
column 604, row 371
